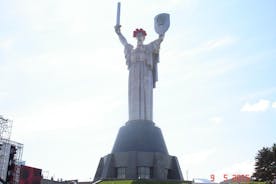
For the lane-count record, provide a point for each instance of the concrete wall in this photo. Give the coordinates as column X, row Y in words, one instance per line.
column 139, row 143
column 163, row 166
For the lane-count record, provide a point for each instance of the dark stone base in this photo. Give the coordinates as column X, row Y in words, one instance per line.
column 140, row 135
column 139, row 144
column 163, row 167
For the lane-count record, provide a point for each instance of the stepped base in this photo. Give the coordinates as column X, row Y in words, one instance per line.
column 140, row 135
column 139, row 165
column 139, row 152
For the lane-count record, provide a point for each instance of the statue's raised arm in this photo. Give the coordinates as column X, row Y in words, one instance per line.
column 121, row 37
column 118, row 26
column 161, row 25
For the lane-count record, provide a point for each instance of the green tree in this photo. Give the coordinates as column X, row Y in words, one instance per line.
column 265, row 165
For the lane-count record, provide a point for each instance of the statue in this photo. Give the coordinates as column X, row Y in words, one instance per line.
column 139, row 151
column 142, row 65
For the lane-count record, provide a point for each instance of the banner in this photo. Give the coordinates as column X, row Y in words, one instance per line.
column 30, row 175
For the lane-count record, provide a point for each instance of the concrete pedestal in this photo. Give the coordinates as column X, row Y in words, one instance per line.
column 139, row 146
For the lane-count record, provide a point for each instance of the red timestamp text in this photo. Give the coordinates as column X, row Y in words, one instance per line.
column 233, row 177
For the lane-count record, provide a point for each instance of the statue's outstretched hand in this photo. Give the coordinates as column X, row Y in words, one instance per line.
column 117, row 29
column 161, row 36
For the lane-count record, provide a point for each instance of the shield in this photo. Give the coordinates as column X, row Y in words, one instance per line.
column 161, row 23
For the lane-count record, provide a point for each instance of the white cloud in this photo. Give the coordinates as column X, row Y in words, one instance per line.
column 216, row 120
column 6, row 44
column 65, row 115
column 173, row 4
column 210, row 45
column 197, row 158
column 274, row 105
column 260, row 106
column 3, row 94
column 259, row 94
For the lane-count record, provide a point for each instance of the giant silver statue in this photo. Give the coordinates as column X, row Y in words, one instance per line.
column 139, row 151
column 142, row 65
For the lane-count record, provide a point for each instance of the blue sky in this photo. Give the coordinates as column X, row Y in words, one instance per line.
column 64, row 81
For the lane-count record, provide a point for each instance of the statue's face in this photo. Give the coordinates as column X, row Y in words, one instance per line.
column 140, row 37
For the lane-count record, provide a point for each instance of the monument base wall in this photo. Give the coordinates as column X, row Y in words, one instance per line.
column 139, row 152
column 161, row 166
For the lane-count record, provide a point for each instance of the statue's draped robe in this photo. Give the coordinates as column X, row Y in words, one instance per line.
column 142, row 66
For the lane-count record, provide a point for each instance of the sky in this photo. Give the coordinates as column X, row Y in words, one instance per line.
column 64, row 81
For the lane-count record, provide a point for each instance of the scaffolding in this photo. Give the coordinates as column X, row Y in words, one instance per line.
column 5, row 149
column 5, row 133
column 5, row 128
column 6, row 146
column 18, row 160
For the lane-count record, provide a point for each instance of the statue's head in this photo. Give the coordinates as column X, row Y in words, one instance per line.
column 140, row 34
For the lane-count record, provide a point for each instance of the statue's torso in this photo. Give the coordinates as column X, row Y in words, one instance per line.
column 138, row 55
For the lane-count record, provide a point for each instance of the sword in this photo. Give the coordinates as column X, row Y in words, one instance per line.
column 118, row 14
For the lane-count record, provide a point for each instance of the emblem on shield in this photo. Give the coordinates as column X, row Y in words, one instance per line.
column 161, row 23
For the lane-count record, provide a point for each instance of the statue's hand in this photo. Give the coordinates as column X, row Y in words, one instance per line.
column 117, row 29
column 161, row 37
